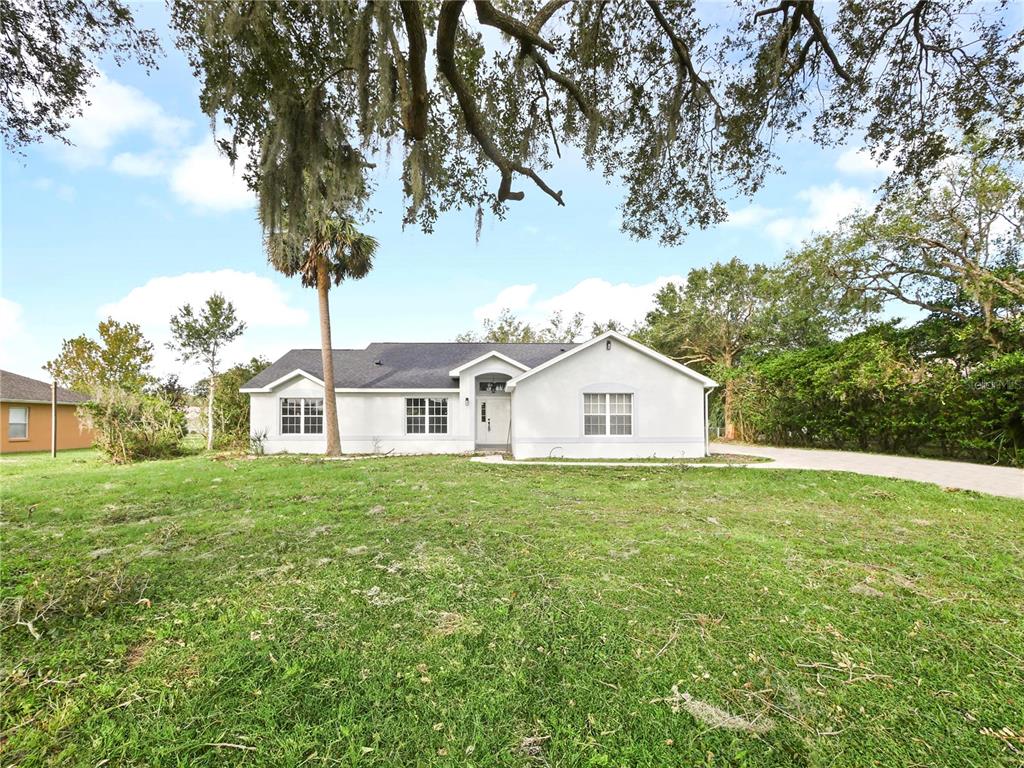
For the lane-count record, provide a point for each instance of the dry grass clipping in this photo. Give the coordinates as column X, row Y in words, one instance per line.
column 712, row 715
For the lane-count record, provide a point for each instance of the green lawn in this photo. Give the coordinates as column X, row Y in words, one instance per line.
column 432, row 611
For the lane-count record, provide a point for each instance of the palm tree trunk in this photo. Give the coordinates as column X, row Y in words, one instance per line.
column 209, row 414
column 323, row 286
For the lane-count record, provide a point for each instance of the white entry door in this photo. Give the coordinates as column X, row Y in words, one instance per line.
column 493, row 420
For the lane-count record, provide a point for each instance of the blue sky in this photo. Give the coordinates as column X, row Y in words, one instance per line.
column 141, row 215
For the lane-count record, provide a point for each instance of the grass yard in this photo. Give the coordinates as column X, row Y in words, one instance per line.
column 431, row 611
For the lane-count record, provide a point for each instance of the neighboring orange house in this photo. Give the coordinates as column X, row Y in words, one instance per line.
column 25, row 416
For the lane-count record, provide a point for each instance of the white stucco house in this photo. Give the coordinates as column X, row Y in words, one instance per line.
column 610, row 397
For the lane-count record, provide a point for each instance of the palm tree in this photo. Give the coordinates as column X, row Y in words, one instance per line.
column 333, row 252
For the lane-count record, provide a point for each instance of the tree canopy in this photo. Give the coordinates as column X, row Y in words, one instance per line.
column 731, row 310
column 49, row 57
column 683, row 103
column 202, row 336
column 507, row 328
column 120, row 358
column 952, row 247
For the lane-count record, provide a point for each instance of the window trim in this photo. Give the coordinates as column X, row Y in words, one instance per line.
column 432, row 408
column 301, row 415
column 27, row 409
column 605, row 395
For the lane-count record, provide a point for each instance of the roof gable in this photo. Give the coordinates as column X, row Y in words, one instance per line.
column 457, row 372
column 271, row 386
column 635, row 345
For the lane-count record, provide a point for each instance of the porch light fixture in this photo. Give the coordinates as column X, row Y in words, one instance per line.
column 467, row 402
column 608, row 345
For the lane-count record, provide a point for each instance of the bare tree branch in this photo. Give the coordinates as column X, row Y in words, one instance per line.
column 529, row 39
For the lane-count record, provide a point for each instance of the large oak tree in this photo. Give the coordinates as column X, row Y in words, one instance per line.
column 50, row 51
column 682, row 102
column 953, row 246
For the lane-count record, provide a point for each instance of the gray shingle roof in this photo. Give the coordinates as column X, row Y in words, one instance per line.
column 403, row 365
column 17, row 388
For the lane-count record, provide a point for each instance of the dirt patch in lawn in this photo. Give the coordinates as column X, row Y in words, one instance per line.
column 865, row 589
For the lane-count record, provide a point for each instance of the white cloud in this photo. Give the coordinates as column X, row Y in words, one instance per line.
column 205, row 180
column 136, row 164
column 258, row 300
column 825, row 207
column 515, row 297
column 198, row 175
column 113, row 112
column 597, row 299
column 857, row 161
column 750, row 216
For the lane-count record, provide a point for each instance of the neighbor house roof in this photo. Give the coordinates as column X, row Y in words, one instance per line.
column 414, row 365
column 22, row 389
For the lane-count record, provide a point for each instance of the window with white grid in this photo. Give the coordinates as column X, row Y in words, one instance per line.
column 17, row 422
column 415, row 415
column 302, row 415
column 313, row 416
column 291, row 415
column 426, row 415
column 607, row 413
column 595, row 412
column 620, row 414
column 437, row 415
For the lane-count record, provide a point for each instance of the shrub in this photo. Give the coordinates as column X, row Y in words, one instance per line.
column 874, row 391
column 231, row 407
column 130, row 426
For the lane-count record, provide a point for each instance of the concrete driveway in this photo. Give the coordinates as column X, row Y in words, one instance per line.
column 999, row 481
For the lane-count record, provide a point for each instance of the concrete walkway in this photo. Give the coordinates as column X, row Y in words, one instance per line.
column 999, row 481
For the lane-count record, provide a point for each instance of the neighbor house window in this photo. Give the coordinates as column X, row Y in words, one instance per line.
column 17, row 423
column 608, row 414
column 426, row 415
column 302, row 415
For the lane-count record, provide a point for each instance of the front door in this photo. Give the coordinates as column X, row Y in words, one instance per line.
column 493, row 420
